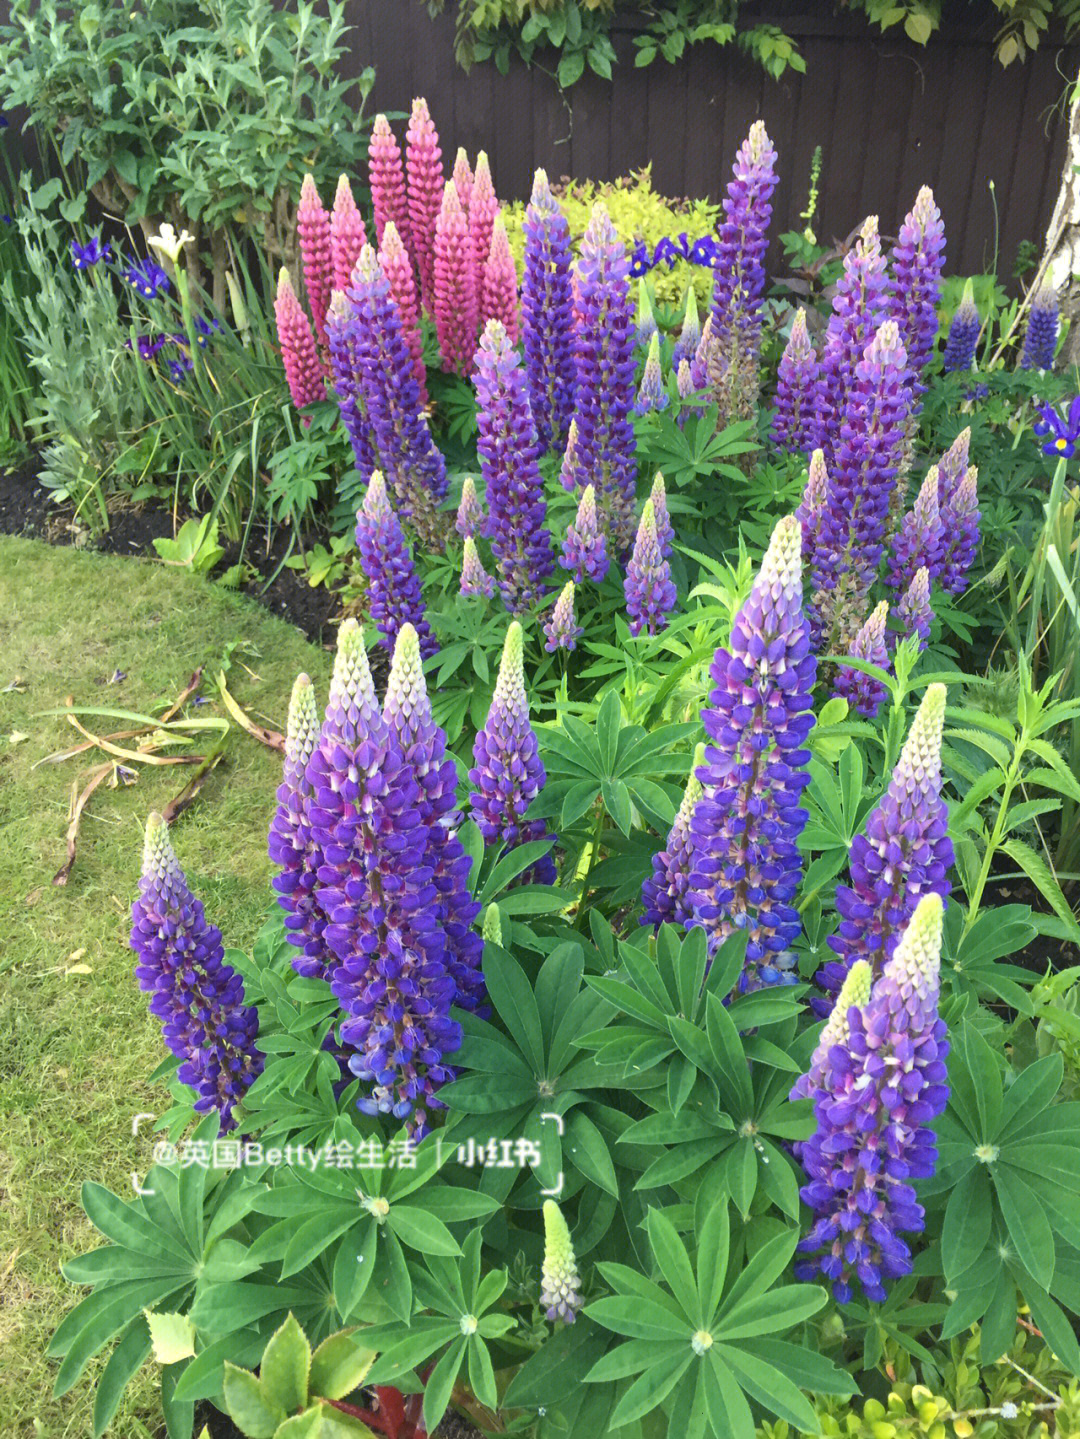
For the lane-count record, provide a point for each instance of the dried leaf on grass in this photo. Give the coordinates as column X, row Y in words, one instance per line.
column 269, row 737
column 78, row 804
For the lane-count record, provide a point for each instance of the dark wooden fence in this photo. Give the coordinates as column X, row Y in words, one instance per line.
column 890, row 116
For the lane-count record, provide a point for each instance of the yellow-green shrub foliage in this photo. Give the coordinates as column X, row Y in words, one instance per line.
column 638, row 213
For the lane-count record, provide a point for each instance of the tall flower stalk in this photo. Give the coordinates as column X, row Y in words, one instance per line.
column 347, row 234
column 918, row 259
column 963, row 334
column 299, row 353
column 794, row 425
column 547, row 314
column 386, row 176
column 863, row 692
column 584, row 551
column 860, row 305
column 316, row 253
column 394, row 592
column 455, row 285
column 650, row 593
column 290, row 843
column 398, row 270
column 426, row 181
column 665, row 895
column 499, row 288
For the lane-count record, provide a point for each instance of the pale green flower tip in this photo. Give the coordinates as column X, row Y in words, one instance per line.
column 303, row 719
column 567, row 595
column 284, row 283
column 878, row 619
column 854, row 993
column 406, row 650
column 309, row 191
column 338, row 308
column 513, row 655
column 558, row 1247
column 968, row 298
column 470, row 555
column 494, row 336
column 376, row 498
column 783, row 559
column 869, row 232
column 366, row 268
column 541, row 190
column 659, row 489
column 157, row 847
column 647, row 525
column 920, row 944
column 350, row 642
column 690, row 312
column 653, row 357
column 491, row 929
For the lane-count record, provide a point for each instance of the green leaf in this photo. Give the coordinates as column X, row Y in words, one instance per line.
column 283, row 1373
column 339, row 1365
column 249, row 1407
column 1025, row 1218
column 712, row 1259
column 770, row 1387
column 608, row 724
column 966, row 1227
column 440, row 1384
column 653, row 1387
column 512, row 995
column 421, row 1231
column 124, row 1362
column 986, row 1079
column 126, row 1225
column 1030, row 1093
column 673, row 1261
column 589, row 1153
column 172, row 1337
column 1037, row 870
column 772, row 1313
column 616, row 799
column 571, row 68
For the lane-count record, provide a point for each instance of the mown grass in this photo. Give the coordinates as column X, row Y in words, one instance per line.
column 75, row 1048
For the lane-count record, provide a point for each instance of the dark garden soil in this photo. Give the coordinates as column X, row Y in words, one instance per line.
column 25, row 509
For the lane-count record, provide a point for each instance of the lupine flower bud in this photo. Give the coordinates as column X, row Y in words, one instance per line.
column 347, row 236
column 507, row 773
column 462, row 177
column 863, row 692
column 854, row 992
column 561, row 631
column 386, row 175
column 665, row 534
column 953, row 466
column 918, row 259
column 859, row 306
column 665, row 894
column 646, row 317
column 651, row 394
column 914, row 610
column 547, row 311
column 482, row 209
column 811, row 506
column 491, row 929
column 963, row 333
column 475, row 580
column 743, row 239
column 960, row 520
column 470, row 515
column 903, row 853
column 394, row 590
column 746, row 825
column 508, row 461
column 499, row 290
column 921, row 540
column 299, row 355
column 455, row 285
column 605, row 374
column 684, row 382
column 690, row 334
column 1040, row 338
column 650, row 593
column 560, row 1282
column 423, row 167
column 415, row 468
column 349, row 383
column 875, row 1095
column 313, row 230
column 570, row 475
column 398, row 270
column 795, row 422
column 701, row 364
column 197, row 997
column 584, row 551
column 291, row 845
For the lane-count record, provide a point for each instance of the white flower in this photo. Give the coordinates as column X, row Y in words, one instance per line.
column 168, row 243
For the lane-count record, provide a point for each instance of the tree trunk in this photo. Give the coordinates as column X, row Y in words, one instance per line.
column 1060, row 268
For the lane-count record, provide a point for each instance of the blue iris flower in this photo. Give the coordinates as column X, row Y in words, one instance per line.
column 147, row 277
column 1064, row 430
column 85, row 257
column 204, row 329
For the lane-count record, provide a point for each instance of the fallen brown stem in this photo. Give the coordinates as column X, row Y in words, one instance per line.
column 78, row 804
column 269, row 737
column 188, row 794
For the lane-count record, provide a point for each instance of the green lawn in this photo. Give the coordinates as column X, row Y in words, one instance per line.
column 75, row 1048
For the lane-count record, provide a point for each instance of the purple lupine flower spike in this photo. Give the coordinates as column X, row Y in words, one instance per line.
column 561, row 630
column 794, row 425
column 605, row 375
column 651, row 394
column 953, row 466
column 646, row 325
column 665, row 534
column 914, row 611
column 863, row 692
column 963, row 333
column 507, row 772
column 393, row 585
column 1040, row 338
column 743, row 239
column 570, row 475
column 665, row 893
column 650, row 593
column 508, row 452
column 414, row 467
column 859, row 306
column 855, row 991
column 747, row 823
column 918, row 259
column 686, row 386
column 407, row 714
column 291, row 845
column 690, row 334
column 197, row 997
column 547, row 314
column 960, row 519
column 349, row 383
column 584, row 551
column 475, row 580
column 903, row 853
column 811, row 506
column 470, row 515
column 921, row 539
column 875, row 1092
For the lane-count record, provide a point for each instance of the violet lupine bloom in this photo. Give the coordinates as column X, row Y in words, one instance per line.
column 665, row 894
column 879, row 1088
column 513, row 484
column 665, row 534
column 921, row 539
column 747, row 823
column 394, row 592
column 414, row 467
column 811, row 507
column 499, row 291
column 684, row 383
column 742, row 241
column 386, row 176
column 407, row 713
column 646, row 316
column 547, row 313
column 476, row 583
column 398, row 269
column 918, row 258
column 963, row 333
column 482, row 206
column 584, row 551
column 197, row 997
column 863, row 692
column 651, row 394
column 316, row 255
column 470, row 514
column 426, row 182
column 348, row 383
column 794, row 425
column 507, row 772
column 1040, row 338
column 290, row 842
column 455, row 285
column 347, row 234
column 953, row 465
column 570, row 475
column 690, row 335
column 378, row 893
column 650, row 593
column 961, row 524
column 605, row 375
column 903, row 853
column 561, row 630
column 859, row 306
column 299, row 355
column 462, row 177
column 914, row 611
